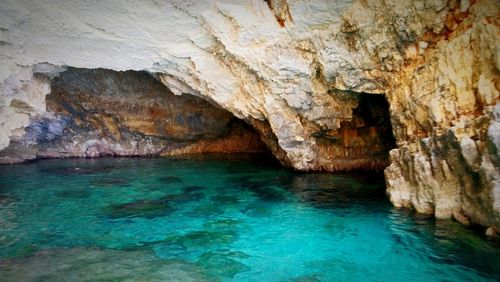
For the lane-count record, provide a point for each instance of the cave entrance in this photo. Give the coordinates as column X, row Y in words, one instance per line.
column 99, row 112
column 363, row 140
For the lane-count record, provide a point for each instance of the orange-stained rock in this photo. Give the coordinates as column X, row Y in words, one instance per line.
column 94, row 113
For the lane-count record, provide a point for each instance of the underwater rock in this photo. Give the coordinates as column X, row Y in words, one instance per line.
column 74, row 193
column 193, row 188
column 68, row 171
column 177, row 252
column 110, row 182
column 308, row 278
column 267, row 190
column 205, row 239
column 223, row 264
column 222, row 224
column 88, row 264
column 225, row 199
column 171, row 251
column 257, row 209
column 205, row 210
column 170, row 179
column 141, row 208
column 6, row 199
column 325, row 84
column 184, row 197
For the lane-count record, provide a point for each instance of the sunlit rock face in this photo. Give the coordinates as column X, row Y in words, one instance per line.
column 445, row 114
column 92, row 113
column 289, row 67
column 309, row 76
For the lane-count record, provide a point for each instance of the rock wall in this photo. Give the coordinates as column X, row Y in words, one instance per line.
column 293, row 66
column 301, row 73
column 92, row 113
column 445, row 114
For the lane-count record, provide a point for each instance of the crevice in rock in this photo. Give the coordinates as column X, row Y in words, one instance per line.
column 269, row 138
column 281, row 11
column 362, row 141
column 92, row 113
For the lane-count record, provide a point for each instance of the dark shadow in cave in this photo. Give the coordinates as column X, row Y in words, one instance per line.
column 363, row 140
column 373, row 110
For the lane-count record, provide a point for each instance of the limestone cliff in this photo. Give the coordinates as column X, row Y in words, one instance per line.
column 445, row 114
column 309, row 76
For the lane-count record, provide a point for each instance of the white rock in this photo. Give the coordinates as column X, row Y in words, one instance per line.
column 235, row 54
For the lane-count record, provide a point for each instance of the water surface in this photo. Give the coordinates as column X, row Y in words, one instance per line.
column 220, row 219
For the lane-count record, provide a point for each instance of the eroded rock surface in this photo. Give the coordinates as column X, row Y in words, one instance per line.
column 288, row 64
column 92, row 113
column 445, row 113
column 300, row 72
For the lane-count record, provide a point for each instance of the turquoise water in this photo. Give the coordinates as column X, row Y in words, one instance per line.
column 220, row 219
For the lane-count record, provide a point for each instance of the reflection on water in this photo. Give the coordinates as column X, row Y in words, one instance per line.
column 208, row 218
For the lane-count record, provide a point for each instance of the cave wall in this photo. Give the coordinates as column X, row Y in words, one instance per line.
column 92, row 113
column 296, row 70
column 445, row 114
column 291, row 73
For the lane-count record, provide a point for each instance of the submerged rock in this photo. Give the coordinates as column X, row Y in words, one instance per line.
column 257, row 209
column 74, row 193
column 204, row 210
column 170, row 179
column 193, row 188
column 326, row 85
column 88, row 264
column 6, row 199
column 184, row 197
column 141, row 208
column 265, row 192
column 204, row 239
column 226, row 199
column 222, row 224
column 110, row 182
column 223, row 264
column 308, row 278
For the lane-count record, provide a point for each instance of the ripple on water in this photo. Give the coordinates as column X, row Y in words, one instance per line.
column 220, row 220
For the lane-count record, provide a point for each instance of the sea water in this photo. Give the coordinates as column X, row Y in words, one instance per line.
column 220, row 218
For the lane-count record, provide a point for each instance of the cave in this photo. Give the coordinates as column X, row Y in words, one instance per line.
column 264, row 140
column 362, row 141
column 99, row 112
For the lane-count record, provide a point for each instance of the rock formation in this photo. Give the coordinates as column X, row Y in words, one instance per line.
column 445, row 114
column 314, row 78
column 92, row 113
